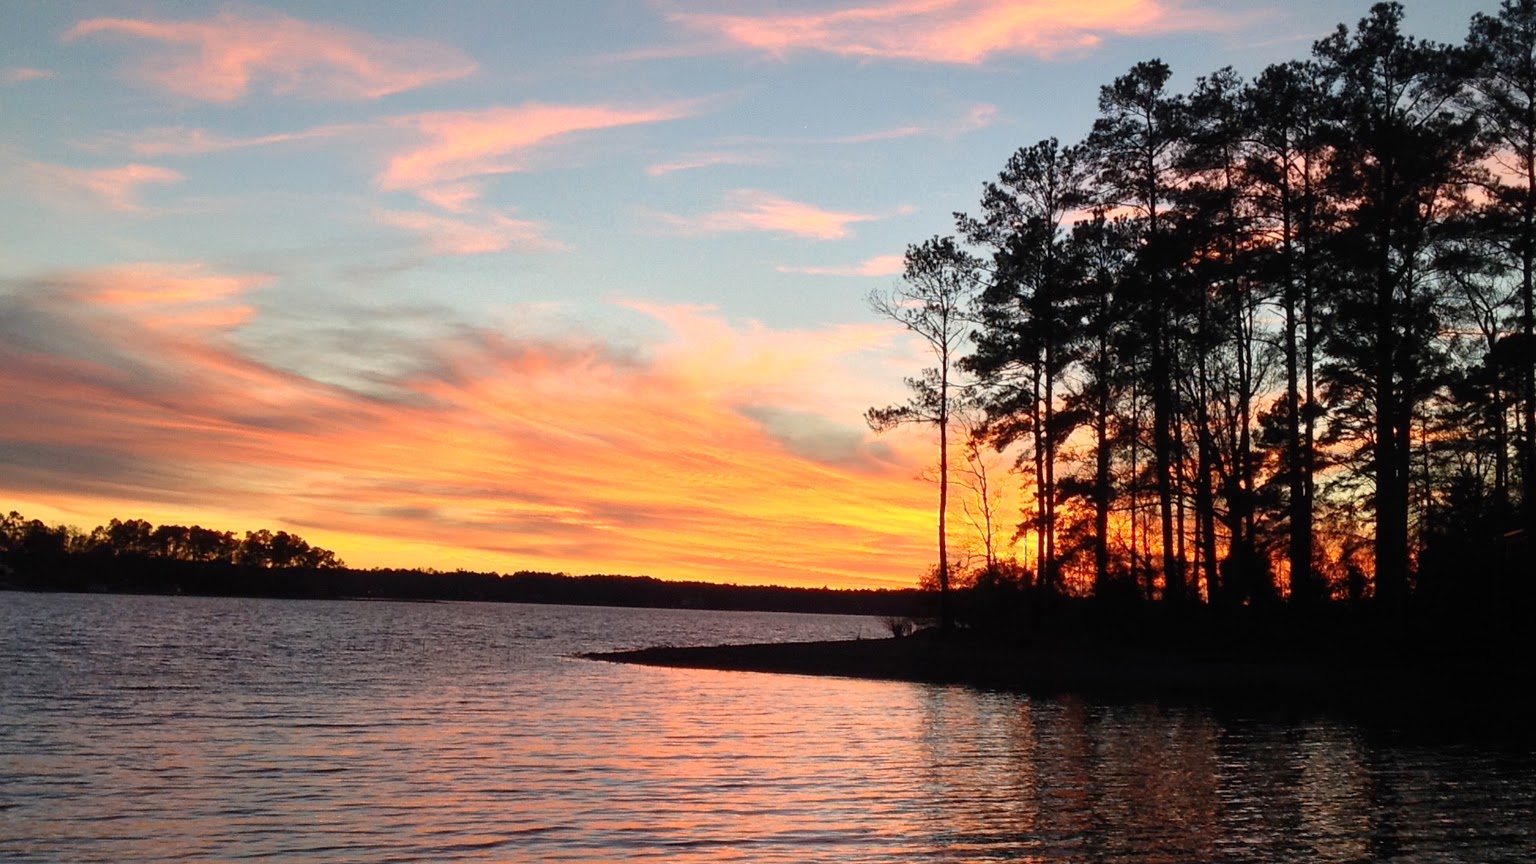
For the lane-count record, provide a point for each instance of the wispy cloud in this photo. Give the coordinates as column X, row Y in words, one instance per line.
column 976, row 117
column 949, row 31
column 755, row 210
column 707, row 455
column 116, row 188
column 879, row 135
column 223, row 58
column 453, row 197
column 23, row 74
column 463, row 145
column 492, row 232
column 880, row 265
column 192, row 141
column 695, row 161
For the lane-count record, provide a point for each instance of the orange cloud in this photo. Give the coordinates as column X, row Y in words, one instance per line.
column 762, row 211
column 706, row 454
column 116, row 188
column 183, row 299
column 949, row 31
column 156, row 283
column 463, row 145
column 220, row 59
column 494, row 232
column 880, row 265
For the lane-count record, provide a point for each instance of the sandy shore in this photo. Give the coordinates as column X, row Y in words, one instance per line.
column 1481, row 697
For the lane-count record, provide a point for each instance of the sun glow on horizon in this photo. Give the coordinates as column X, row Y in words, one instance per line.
column 702, row 456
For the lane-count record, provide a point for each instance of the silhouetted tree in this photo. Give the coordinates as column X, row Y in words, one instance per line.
column 1031, row 314
column 1504, row 91
column 1106, row 248
column 1400, row 152
column 1285, row 111
column 1219, row 236
column 30, row 543
column 937, row 285
column 1136, row 143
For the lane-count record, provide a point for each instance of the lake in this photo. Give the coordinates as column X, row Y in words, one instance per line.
column 215, row 729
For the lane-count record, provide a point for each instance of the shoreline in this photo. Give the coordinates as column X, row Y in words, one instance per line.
column 1452, row 697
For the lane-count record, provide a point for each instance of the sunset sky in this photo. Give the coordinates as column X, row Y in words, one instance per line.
column 493, row 285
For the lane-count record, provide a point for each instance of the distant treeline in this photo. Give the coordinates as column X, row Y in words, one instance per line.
column 134, row 556
column 29, row 543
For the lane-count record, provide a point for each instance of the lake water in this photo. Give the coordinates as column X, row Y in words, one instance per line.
column 161, row 729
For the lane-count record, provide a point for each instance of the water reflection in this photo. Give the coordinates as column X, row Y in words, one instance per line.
column 149, row 729
column 1044, row 779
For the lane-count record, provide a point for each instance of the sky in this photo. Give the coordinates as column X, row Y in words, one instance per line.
column 577, row 287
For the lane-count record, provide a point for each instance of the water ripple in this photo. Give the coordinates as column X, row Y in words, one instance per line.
column 185, row 729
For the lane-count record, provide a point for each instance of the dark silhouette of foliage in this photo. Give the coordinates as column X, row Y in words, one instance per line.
column 25, row 540
column 937, row 284
column 1030, row 315
column 1269, row 343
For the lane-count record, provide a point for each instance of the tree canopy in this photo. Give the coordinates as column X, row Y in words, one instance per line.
column 1271, row 340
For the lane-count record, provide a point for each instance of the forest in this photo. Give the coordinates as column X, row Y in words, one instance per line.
column 1264, row 343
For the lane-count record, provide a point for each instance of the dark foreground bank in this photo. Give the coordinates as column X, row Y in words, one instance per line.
column 1457, row 697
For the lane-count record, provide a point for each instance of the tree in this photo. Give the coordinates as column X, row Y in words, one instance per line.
column 1107, row 249
column 1504, row 91
column 256, row 549
column 937, row 284
column 30, row 543
column 1135, row 143
column 1217, row 240
column 171, row 541
column 979, row 479
column 1284, row 110
column 1031, row 315
column 133, row 537
column 205, row 544
column 1400, row 155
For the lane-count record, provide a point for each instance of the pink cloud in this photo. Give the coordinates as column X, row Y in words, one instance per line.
column 491, row 232
column 949, row 31
column 762, row 211
column 457, row 151
column 21, row 75
column 221, row 59
column 880, row 265
column 461, row 145
column 116, row 188
column 453, row 197
column 976, row 117
column 881, row 135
